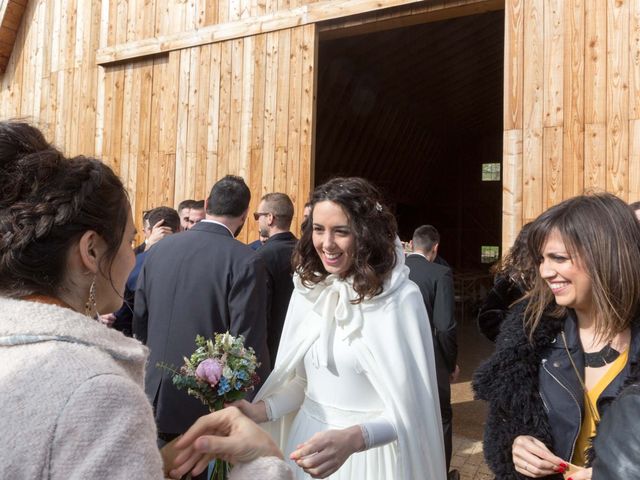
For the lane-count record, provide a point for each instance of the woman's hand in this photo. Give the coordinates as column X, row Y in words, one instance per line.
column 255, row 411
column 227, row 435
column 325, row 452
column 533, row 459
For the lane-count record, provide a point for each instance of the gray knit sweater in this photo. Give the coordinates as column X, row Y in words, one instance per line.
column 71, row 395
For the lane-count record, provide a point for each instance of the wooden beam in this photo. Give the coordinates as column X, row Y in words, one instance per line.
column 321, row 11
column 431, row 12
column 11, row 12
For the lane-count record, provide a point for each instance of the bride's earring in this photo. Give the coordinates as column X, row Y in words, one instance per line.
column 90, row 309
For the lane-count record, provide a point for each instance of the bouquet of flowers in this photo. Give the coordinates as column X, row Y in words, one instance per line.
column 220, row 371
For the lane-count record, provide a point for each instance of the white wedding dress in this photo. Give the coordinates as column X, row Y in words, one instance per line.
column 342, row 364
column 340, row 396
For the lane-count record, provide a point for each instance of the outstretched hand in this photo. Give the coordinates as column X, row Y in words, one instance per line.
column 226, row 435
column 325, row 452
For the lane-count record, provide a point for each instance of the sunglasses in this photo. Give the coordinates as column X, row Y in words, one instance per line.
column 257, row 215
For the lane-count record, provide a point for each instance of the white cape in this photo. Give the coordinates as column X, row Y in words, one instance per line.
column 393, row 343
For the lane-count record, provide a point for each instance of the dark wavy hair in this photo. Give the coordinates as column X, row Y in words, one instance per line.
column 374, row 229
column 518, row 265
column 47, row 202
column 600, row 232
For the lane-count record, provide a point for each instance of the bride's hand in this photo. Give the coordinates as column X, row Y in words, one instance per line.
column 325, row 452
column 255, row 411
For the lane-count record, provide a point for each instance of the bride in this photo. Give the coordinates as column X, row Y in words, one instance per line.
column 353, row 393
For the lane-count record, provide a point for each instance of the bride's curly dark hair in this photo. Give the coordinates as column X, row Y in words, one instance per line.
column 374, row 229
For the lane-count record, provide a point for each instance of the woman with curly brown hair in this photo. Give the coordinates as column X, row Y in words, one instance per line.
column 355, row 365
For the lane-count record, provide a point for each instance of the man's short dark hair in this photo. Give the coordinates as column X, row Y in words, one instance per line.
column 281, row 207
column 635, row 206
column 197, row 205
column 229, row 197
column 425, row 237
column 168, row 214
column 186, row 204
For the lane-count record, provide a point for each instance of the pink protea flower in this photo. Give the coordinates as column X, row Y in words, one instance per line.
column 210, row 371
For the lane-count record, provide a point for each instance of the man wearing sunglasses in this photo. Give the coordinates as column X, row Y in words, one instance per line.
column 274, row 217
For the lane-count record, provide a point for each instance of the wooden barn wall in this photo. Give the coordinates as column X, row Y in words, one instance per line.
column 169, row 124
column 572, row 103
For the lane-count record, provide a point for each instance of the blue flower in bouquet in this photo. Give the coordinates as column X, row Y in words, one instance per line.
column 224, row 386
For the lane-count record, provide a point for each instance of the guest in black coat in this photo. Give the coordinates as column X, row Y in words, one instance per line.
column 436, row 285
column 514, row 275
column 200, row 282
column 563, row 355
column 274, row 217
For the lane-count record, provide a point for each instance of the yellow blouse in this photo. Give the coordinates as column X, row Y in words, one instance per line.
column 588, row 428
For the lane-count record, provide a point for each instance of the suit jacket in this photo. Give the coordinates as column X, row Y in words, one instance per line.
column 436, row 285
column 199, row 282
column 124, row 315
column 276, row 253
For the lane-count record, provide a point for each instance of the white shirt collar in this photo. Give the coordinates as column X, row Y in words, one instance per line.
column 418, row 253
column 217, row 223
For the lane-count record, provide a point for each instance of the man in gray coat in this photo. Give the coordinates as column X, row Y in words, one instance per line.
column 199, row 282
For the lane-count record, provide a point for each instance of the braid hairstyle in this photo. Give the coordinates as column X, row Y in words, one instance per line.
column 374, row 228
column 52, row 202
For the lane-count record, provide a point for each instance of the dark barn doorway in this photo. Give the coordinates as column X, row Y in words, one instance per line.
column 418, row 110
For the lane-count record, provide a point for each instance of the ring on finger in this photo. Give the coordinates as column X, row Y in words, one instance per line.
column 526, row 466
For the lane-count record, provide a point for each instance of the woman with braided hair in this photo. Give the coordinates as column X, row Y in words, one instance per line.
column 72, row 401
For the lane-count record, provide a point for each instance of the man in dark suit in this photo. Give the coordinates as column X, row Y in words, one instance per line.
column 436, row 285
column 274, row 217
column 200, row 282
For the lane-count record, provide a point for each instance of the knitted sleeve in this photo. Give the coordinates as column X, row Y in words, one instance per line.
column 106, row 430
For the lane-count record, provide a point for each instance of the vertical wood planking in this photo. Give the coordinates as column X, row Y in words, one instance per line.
column 248, row 80
column 270, row 108
column 257, row 120
column 511, row 186
column 225, row 110
column 634, row 160
column 573, row 93
column 235, row 111
column 204, row 124
column 634, row 59
column 294, row 136
column 617, row 97
column 553, row 62
column 192, row 124
column 213, row 116
column 512, row 120
column 552, row 166
column 182, row 117
column 595, row 94
column 307, row 114
column 533, row 91
column 513, row 64
column 282, row 111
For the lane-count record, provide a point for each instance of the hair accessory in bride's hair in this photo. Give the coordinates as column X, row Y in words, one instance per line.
column 378, row 206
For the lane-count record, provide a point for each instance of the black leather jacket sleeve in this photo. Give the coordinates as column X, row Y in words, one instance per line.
column 617, row 442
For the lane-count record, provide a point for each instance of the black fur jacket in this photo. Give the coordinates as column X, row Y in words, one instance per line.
column 508, row 381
